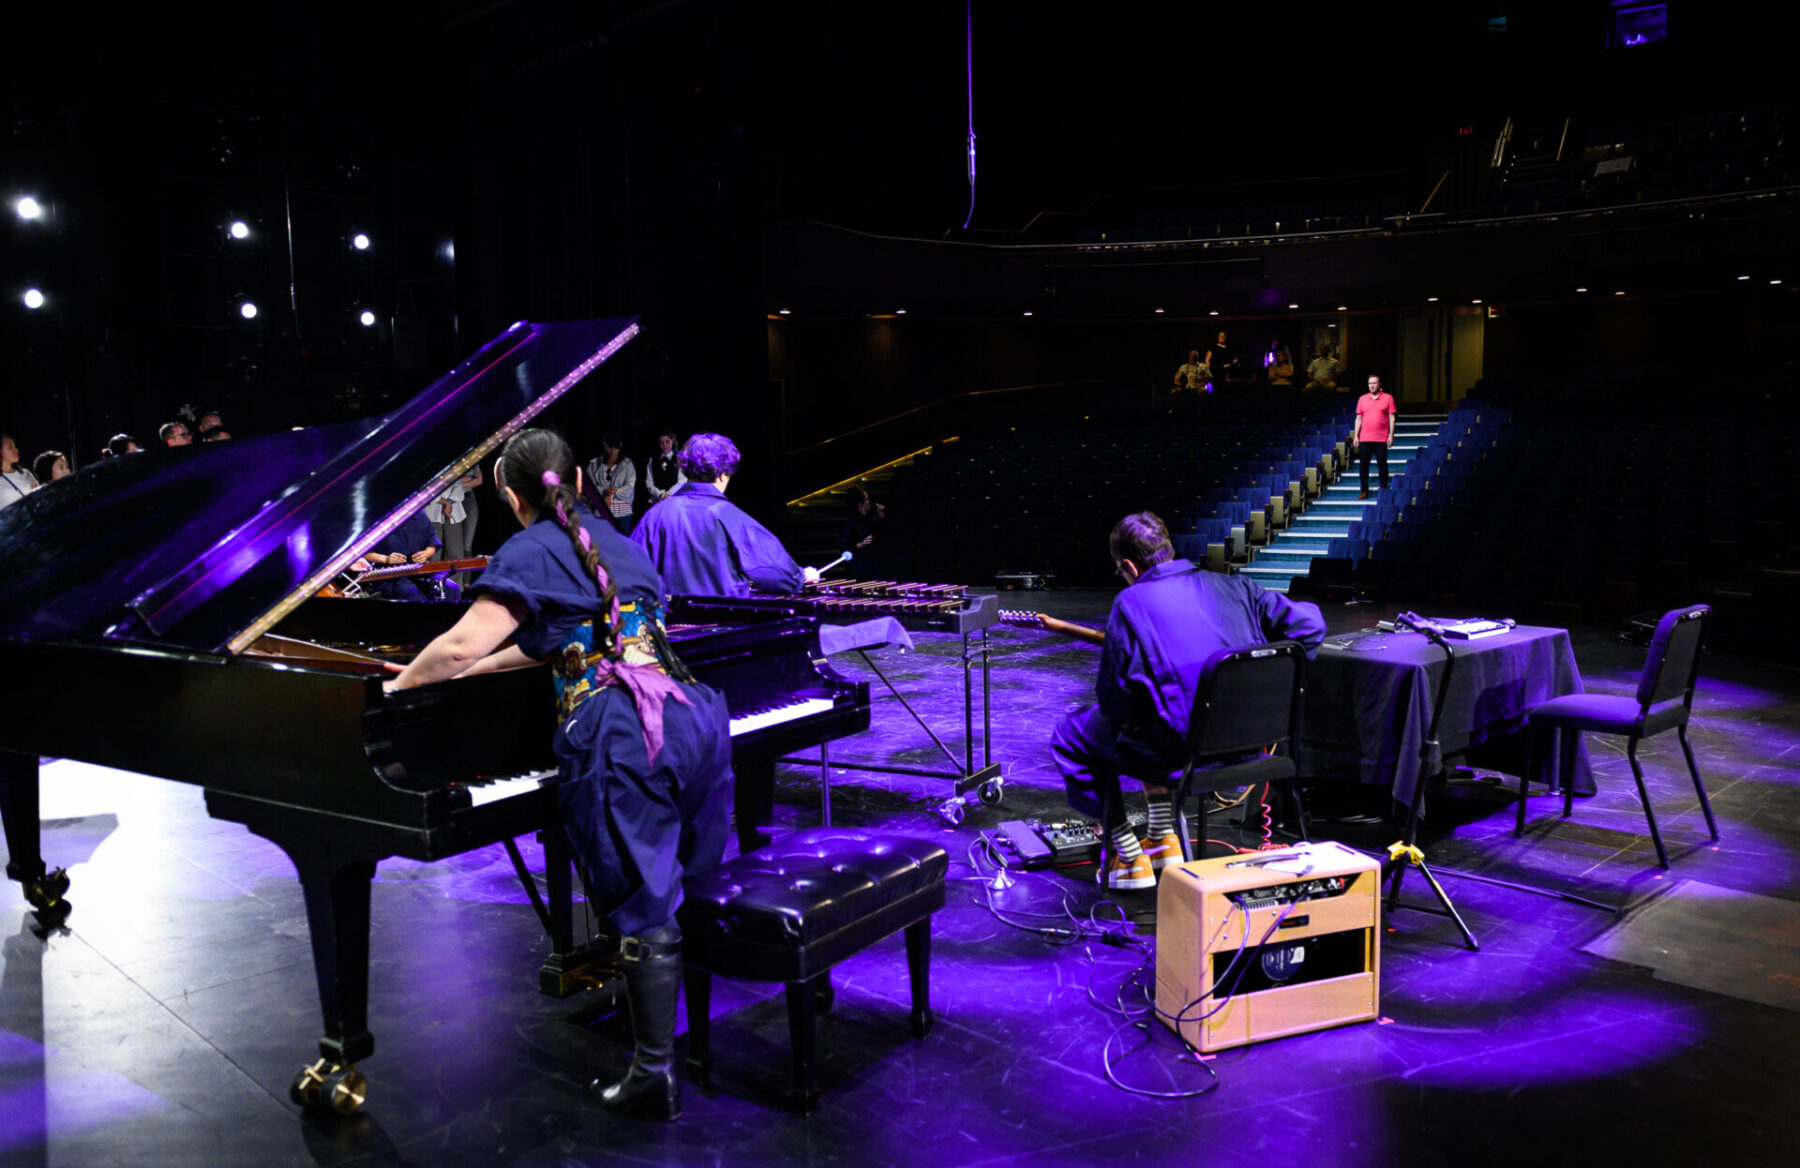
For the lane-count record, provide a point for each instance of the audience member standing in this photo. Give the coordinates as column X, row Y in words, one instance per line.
column 866, row 521
column 1193, row 375
column 447, row 513
column 1324, row 371
column 49, row 466
column 662, row 470
column 1373, row 430
column 616, row 480
column 1281, row 370
column 471, row 512
column 1222, row 360
column 15, row 481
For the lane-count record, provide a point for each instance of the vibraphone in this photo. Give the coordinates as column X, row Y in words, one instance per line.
column 919, row 608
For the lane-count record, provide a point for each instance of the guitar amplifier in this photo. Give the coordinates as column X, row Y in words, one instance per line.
column 1308, row 919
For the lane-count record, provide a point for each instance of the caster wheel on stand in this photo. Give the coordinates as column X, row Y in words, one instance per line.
column 992, row 792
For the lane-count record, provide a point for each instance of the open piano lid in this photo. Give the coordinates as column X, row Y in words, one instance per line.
column 205, row 548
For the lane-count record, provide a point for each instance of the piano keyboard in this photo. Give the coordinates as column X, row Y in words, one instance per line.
column 494, row 792
column 775, row 715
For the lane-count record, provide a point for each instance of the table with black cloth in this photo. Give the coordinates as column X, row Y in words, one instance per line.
column 1369, row 700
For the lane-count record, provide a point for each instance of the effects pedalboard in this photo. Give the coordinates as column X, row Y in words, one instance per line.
column 1032, row 843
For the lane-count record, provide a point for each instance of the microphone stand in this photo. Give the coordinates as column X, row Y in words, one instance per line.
column 1407, row 852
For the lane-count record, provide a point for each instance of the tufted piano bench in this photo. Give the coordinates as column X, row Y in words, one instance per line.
column 790, row 911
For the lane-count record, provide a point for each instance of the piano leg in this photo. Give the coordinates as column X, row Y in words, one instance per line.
column 753, row 800
column 337, row 909
column 24, row 847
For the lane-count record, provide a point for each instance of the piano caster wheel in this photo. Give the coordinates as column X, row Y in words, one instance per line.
column 45, row 895
column 327, row 1087
column 950, row 812
column 992, row 792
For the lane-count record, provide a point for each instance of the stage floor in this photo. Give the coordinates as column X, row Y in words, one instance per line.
column 163, row 1025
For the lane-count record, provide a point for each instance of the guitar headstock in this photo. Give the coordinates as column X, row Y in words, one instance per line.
column 1021, row 617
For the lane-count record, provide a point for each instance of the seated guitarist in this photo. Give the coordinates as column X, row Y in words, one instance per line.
column 1168, row 620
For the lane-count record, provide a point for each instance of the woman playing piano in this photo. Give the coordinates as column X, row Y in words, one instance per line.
column 645, row 751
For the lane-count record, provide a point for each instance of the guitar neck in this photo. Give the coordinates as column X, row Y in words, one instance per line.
column 1037, row 620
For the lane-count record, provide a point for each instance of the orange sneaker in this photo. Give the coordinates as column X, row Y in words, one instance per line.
column 1122, row 875
column 1164, row 851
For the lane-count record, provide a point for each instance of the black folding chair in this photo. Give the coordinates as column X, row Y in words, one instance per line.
column 1248, row 702
column 1664, row 699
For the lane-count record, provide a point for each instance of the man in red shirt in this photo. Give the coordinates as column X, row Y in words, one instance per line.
column 1373, row 431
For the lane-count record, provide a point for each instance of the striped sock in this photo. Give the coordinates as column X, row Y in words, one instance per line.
column 1162, row 817
column 1125, row 843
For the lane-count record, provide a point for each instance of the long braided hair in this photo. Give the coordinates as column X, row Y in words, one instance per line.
column 540, row 468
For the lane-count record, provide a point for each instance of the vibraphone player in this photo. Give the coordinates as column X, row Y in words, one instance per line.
column 706, row 546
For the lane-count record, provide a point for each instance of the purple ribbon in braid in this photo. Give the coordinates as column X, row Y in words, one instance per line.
column 648, row 686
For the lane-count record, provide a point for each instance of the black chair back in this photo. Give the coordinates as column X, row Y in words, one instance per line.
column 1248, row 698
column 1673, row 664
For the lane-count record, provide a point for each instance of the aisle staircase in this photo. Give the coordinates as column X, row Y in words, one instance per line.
column 1289, row 553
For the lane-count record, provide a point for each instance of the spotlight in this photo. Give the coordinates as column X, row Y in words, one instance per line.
column 239, row 229
column 1474, row 302
column 1027, row 313
column 359, row 241
column 786, row 312
column 247, row 310
column 1431, row 300
column 29, row 208
column 1159, row 312
column 1213, row 313
column 1581, row 289
column 367, row 318
column 1618, row 293
column 1343, row 308
column 1743, row 277
column 899, row 312
column 449, row 250
column 1774, row 281
column 33, row 298
column 1293, row 306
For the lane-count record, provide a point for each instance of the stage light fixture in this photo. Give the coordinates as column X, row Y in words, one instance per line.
column 1342, row 308
column 1159, row 312
column 33, row 298
column 449, row 250
column 1028, row 312
column 247, row 310
column 899, row 312
column 1620, row 293
column 1743, row 277
column 1774, row 281
column 785, row 311
column 359, row 241
column 1293, row 306
column 1431, row 300
column 1581, row 289
column 28, row 208
column 1213, row 313
column 1474, row 302
column 367, row 317
column 239, row 229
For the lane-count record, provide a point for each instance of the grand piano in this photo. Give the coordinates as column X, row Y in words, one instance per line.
column 164, row 606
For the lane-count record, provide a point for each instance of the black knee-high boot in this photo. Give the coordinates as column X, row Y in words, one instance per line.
column 651, row 1089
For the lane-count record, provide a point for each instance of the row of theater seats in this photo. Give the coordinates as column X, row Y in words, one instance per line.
column 1044, row 499
column 1584, row 504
